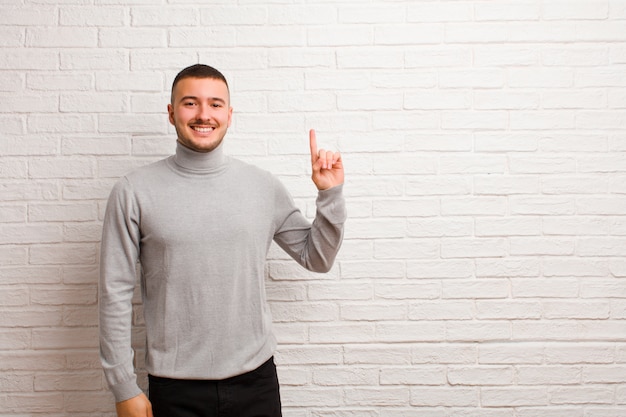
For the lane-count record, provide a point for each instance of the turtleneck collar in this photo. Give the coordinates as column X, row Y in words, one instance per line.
column 200, row 162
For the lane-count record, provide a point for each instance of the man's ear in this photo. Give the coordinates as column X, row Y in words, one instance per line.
column 170, row 113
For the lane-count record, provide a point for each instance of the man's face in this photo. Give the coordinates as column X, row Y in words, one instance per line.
column 201, row 113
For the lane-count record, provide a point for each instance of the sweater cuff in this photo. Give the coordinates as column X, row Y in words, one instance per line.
column 332, row 205
column 125, row 390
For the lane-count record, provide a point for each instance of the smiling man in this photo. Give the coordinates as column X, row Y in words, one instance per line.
column 200, row 224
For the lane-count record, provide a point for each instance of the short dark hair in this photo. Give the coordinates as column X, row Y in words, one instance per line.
column 198, row 71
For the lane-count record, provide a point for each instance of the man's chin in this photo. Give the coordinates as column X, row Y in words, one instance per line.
column 199, row 146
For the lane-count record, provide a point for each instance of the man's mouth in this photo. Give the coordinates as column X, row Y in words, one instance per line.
column 202, row 129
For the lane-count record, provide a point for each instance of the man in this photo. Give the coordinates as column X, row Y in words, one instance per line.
column 200, row 224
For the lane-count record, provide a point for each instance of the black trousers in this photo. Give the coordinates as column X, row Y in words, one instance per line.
column 253, row 394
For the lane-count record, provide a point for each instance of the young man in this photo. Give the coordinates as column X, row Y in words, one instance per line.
column 200, row 224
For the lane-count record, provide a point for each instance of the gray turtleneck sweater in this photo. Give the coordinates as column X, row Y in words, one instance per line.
column 200, row 226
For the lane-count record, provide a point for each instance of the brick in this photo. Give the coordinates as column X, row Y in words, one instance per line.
column 64, row 296
column 484, row 288
column 65, row 338
column 59, row 82
column 92, row 16
column 13, row 168
column 434, row 310
column 77, row 381
column 108, row 145
column 13, row 255
column 369, row 269
column 31, row 275
column 438, row 12
column 431, row 269
column 408, row 34
column 405, row 208
column 564, row 330
column 390, row 332
column 30, row 233
column 518, row 353
column 61, row 254
column 282, row 312
column 284, row 58
column 365, row 57
column 380, row 396
column 507, row 267
column 339, row 291
column 463, row 32
column 373, row 312
column 477, row 206
column 476, row 78
column 426, row 290
column 441, row 56
column 551, row 288
column 61, row 37
column 358, row 101
column 406, row 249
column 93, row 103
column 201, row 37
column 337, row 376
column 513, row 397
column 331, row 35
column 576, row 395
column 438, row 396
column 29, row 16
column 312, row 397
column 493, row 55
column 31, row 317
column 580, row 353
column 66, row 123
column 513, row 310
column 548, row 31
column 279, row 36
column 495, row 100
column 310, row 355
column 370, row 14
column 29, row 59
column 581, row 9
column 32, row 403
column 94, row 59
column 520, row 226
column 342, row 333
column 547, row 206
column 483, row 375
column 439, row 185
column 12, row 37
column 138, row 124
column 526, row 246
column 442, row 100
column 507, row 10
column 15, row 339
column 31, row 190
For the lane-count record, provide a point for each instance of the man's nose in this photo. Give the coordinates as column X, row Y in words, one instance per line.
column 204, row 112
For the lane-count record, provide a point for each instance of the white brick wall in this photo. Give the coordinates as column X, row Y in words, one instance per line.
column 483, row 270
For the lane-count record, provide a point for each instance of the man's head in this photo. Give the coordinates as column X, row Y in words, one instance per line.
column 197, row 71
column 200, row 107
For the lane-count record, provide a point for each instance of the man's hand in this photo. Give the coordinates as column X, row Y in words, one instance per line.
column 327, row 167
column 138, row 406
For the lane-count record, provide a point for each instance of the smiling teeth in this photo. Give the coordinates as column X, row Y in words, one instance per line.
column 203, row 129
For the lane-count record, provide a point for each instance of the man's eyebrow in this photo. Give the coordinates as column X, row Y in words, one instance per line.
column 197, row 99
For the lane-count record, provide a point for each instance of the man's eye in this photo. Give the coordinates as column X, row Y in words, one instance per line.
column 189, row 103
column 216, row 105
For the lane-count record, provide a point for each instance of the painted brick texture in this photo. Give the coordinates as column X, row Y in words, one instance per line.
column 483, row 271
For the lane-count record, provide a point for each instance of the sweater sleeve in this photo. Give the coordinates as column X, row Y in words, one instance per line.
column 314, row 246
column 118, row 260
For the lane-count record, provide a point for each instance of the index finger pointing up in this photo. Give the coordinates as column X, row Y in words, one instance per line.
column 313, row 145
